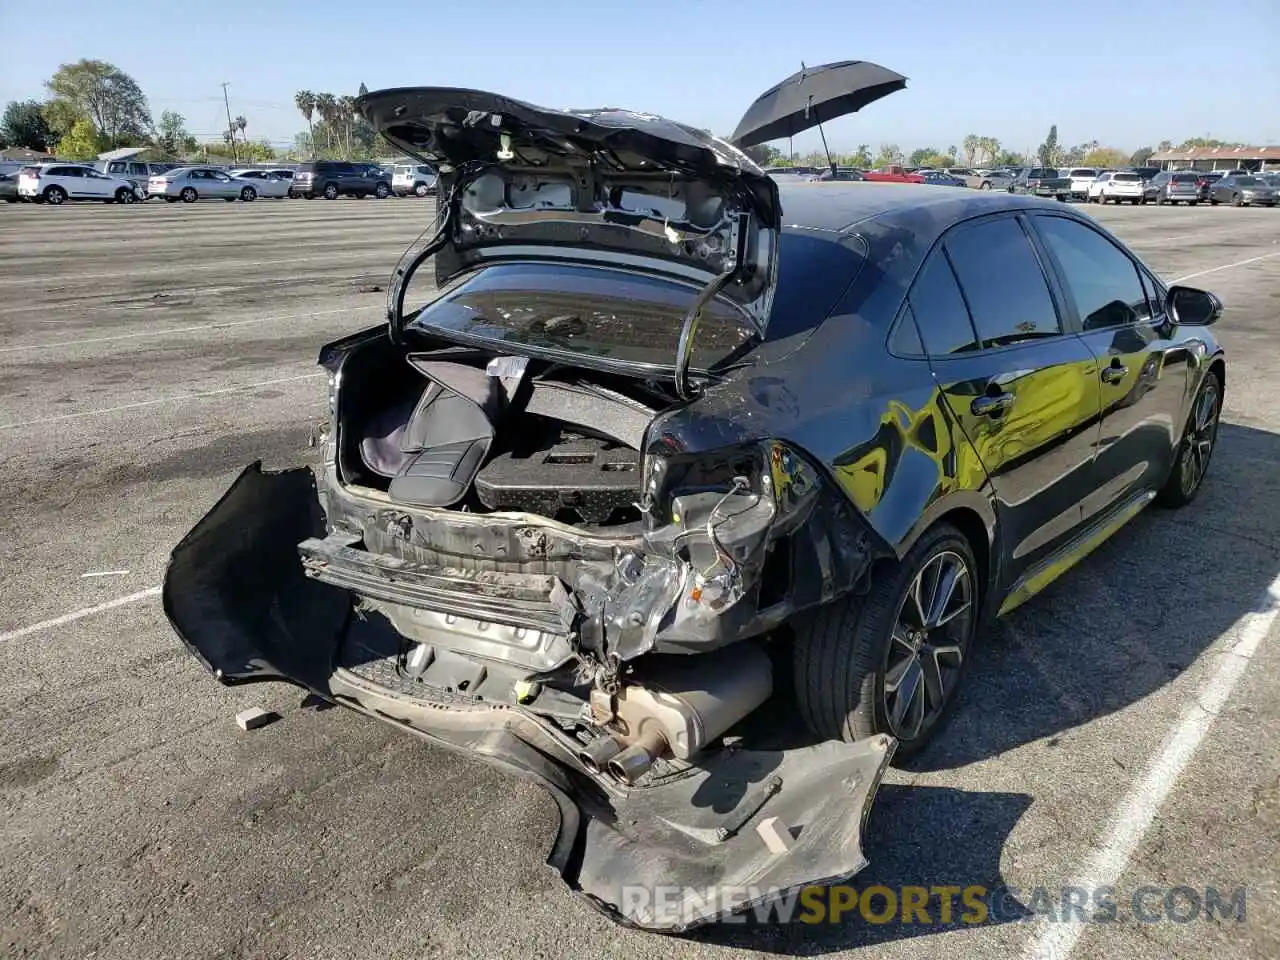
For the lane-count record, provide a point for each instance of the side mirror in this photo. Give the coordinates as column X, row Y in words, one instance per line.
column 1190, row 307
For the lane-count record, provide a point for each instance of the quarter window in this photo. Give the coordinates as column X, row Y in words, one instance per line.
column 1003, row 283
column 1102, row 280
column 939, row 309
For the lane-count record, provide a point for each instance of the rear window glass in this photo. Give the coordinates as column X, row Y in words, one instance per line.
column 1042, row 173
column 1002, row 283
column 1126, row 177
column 584, row 310
column 1184, row 178
column 1084, row 172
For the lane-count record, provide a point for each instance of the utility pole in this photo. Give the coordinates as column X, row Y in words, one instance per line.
column 230, row 129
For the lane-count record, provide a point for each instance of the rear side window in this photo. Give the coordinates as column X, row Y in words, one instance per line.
column 1002, row 283
column 940, row 310
column 1101, row 278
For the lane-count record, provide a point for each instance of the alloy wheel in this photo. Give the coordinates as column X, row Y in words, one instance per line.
column 1197, row 445
column 55, row 195
column 928, row 645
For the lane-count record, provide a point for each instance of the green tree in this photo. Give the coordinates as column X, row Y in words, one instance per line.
column 1009, row 158
column 362, row 91
column 171, row 134
column 890, row 153
column 327, row 107
column 764, row 154
column 1207, row 143
column 305, row 101
column 346, row 115
column 861, row 157
column 1105, row 158
column 1048, row 151
column 1140, row 157
column 920, row 158
column 107, row 96
column 24, row 125
column 82, row 142
column 1164, row 145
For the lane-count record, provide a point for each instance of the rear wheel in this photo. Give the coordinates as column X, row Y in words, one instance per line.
column 55, row 195
column 420, row 189
column 248, row 195
column 382, row 191
column 189, row 195
column 331, row 191
column 125, row 195
column 1198, row 440
column 1236, row 200
column 1213, row 202
column 891, row 661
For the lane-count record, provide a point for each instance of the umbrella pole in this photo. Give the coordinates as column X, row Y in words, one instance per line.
column 830, row 163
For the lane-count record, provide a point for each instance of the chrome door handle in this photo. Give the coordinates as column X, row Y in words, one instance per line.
column 1114, row 373
column 991, row 405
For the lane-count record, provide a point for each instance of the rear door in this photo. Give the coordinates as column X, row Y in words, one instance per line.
column 1021, row 385
column 1143, row 374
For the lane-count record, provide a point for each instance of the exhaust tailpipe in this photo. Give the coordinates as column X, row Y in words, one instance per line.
column 634, row 762
column 596, row 755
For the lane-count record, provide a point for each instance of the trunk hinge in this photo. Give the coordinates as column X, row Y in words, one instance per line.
column 408, row 266
column 689, row 327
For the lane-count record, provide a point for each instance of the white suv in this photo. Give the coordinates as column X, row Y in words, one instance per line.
column 1081, row 178
column 56, row 183
column 1116, row 186
column 412, row 178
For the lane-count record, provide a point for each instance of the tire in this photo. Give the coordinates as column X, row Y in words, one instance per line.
column 420, row 189
column 1213, row 202
column 382, row 191
column 189, row 195
column 248, row 194
column 1062, row 198
column 1236, row 201
column 170, row 199
column 10, row 199
column 331, row 191
column 1193, row 203
column 1195, row 448
column 125, row 195
column 846, row 652
column 1161, row 201
column 55, row 196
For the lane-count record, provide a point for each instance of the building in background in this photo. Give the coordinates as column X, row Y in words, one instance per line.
column 1254, row 159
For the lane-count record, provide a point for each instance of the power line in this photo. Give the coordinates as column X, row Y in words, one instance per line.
column 231, row 130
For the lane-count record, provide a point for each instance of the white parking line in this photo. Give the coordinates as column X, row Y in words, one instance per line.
column 148, row 403
column 163, row 332
column 1226, row 266
column 186, row 268
column 79, row 614
column 1136, row 812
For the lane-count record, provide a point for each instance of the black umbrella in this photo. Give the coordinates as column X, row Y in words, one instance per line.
column 815, row 94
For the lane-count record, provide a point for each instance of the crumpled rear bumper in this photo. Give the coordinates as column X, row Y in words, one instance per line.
column 679, row 851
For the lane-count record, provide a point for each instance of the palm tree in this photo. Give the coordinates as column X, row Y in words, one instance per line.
column 240, row 124
column 326, row 106
column 347, row 111
column 305, row 101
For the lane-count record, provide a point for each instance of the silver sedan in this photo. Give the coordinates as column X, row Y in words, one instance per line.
column 268, row 183
column 190, row 184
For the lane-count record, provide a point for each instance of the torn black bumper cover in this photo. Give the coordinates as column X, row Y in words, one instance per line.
column 675, row 853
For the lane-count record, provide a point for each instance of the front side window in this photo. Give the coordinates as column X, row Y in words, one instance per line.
column 1102, row 279
column 1002, row 283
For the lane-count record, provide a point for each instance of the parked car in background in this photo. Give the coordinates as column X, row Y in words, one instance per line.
column 190, row 184
column 9, row 187
column 337, row 178
column 1205, row 180
column 267, row 183
column 1041, row 182
column 135, row 171
column 839, row 173
column 970, row 177
column 1270, row 179
column 1118, row 186
column 56, row 183
column 416, row 179
column 1176, row 186
column 1146, row 173
column 893, row 173
column 994, row 180
column 1081, row 178
column 1243, row 191
column 940, row 179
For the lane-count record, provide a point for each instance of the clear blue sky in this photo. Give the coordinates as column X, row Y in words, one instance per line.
column 1127, row 73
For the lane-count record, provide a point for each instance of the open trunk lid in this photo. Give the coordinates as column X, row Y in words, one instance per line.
column 605, row 186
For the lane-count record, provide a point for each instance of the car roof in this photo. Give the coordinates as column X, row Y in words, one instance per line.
column 839, row 205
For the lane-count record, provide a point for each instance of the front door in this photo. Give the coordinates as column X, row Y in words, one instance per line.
column 1143, row 365
column 1021, row 385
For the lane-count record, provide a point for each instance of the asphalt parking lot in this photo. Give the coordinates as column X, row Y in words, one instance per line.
column 147, row 353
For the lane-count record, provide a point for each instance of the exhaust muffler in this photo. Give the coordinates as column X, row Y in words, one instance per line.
column 683, row 704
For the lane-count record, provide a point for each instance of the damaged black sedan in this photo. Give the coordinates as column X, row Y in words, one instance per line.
column 669, row 457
